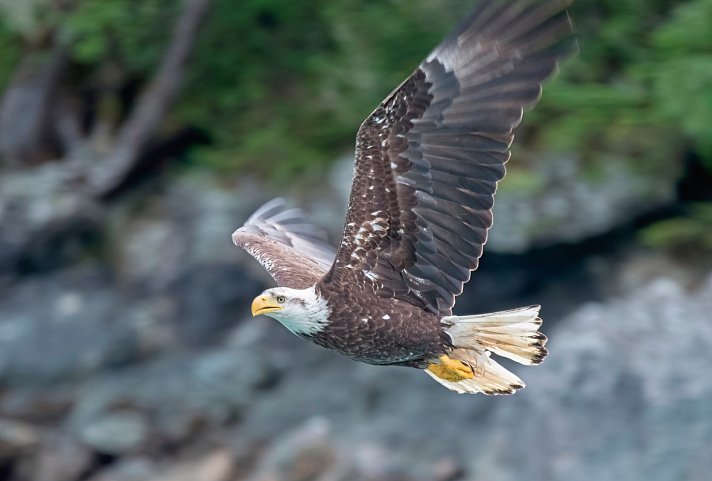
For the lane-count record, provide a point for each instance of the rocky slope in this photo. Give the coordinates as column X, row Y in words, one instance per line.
column 126, row 354
column 623, row 394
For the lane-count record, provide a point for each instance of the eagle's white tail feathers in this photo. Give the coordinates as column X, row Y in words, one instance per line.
column 512, row 334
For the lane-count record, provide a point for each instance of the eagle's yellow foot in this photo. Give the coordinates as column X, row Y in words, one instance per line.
column 450, row 369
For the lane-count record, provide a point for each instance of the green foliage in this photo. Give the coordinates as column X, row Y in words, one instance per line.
column 281, row 87
column 288, row 91
column 690, row 235
column 639, row 89
column 127, row 36
column 133, row 34
column 250, row 80
column 682, row 76
column 9, row 54
column 33, row 20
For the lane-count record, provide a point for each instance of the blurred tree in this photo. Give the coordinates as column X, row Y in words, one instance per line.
column 102, row 121
column 25, row 127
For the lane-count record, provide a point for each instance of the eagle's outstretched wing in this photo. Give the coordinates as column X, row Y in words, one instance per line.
column 293, row 250
column 428, row 159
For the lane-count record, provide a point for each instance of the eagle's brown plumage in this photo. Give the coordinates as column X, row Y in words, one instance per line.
column 428, row 160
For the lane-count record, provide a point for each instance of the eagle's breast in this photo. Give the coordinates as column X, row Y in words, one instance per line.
column 369, row 328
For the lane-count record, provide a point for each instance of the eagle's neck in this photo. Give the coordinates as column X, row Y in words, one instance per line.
column 310, row 318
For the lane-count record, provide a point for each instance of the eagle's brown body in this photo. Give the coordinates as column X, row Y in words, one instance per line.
column 378, row 330
column 428, row 161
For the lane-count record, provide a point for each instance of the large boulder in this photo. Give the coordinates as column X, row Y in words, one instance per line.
column 156, row 272
column 66, row 324
column 45, row 222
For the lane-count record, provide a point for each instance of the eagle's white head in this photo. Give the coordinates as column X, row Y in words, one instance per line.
column 302, row 311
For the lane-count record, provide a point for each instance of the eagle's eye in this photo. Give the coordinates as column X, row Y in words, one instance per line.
column 281, row 299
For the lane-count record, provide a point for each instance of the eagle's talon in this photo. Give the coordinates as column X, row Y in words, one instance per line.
column 451, row 369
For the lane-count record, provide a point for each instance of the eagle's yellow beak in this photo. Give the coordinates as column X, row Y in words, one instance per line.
column 263, row 305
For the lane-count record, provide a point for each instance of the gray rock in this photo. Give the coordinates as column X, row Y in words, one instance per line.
column 622, row 393
column 174, row 278
column 118, row 432
column 307, row 453
column 26, row 133
column 177, row 245
column 160, row 238
column 558, row 201
column 36, row 403
column 62, row 458
column 68, row 317
column 214, row 466
column 131, row 468
column 63, row 325
column 44, row 222
column 177, row 395
column 217, row 465
column 17, row 438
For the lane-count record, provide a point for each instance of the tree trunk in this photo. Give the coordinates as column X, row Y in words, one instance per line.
column 26, row 108
column 153, row 104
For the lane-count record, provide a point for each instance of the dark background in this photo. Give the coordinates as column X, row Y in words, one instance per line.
column 135, row 136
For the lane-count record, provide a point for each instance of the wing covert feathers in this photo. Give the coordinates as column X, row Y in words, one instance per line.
column 428, row 159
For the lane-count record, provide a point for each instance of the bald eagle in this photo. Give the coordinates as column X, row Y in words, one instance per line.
column 428, row 161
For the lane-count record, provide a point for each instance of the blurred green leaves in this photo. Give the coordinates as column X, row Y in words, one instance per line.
column 131, row 33
column 639, row 90
column 33, row 20
column 689, row 236
column 9, row 53
column 682, row 74
column 283, row 86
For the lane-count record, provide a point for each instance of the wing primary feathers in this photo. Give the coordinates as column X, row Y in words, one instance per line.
column 429, row 158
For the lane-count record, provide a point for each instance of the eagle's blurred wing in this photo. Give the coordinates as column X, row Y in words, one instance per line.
column 293, row 250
